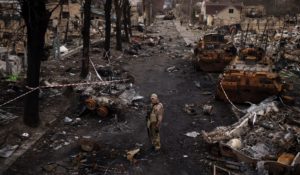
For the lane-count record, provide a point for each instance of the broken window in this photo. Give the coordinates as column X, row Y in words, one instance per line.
column 65, row 14
column 231, row 10
column 64, row 2
column 6, row 35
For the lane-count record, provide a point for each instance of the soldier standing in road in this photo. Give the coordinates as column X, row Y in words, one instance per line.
column 154, row 119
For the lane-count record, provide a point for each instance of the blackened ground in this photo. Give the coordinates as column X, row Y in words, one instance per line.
column 180, row 155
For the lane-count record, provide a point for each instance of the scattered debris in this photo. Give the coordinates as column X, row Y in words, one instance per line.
column 8, row 150
column 63, row 49
column 262, row 134
column 169, row 16
column 197, row 84
column 189, row 109
column 235, row 143
column 25, row 135
column 87, row 144
column 130, row 96
column 68, row 120
column 252, row 116
column 207, row 109
column 6, row 117
column 50, row 167
column 219, row 170
column 130, row 154
column 172, row 69
column 206, row 93
column 286, row 158
column 260, row 150
column 133, row 49
column 153, row 41
column 193, row 134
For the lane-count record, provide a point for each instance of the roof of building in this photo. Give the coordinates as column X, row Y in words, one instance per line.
column 252, row 3
column 216, row 7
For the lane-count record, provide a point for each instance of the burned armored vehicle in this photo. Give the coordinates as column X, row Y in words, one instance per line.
column 250, row 77
column 213, row 53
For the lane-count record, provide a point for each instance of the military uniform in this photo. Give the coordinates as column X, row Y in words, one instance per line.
column 154, row 118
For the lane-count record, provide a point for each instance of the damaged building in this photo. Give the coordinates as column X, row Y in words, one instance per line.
column 65, row 20
column 254, row 11
column 11, row 27
column 221, row 13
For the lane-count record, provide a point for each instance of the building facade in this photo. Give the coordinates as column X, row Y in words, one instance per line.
column 221, row 12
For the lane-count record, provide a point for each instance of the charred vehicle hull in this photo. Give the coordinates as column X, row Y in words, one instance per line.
column 212, row 60
column 249, row 77
column 213, row 53
column 243, row 86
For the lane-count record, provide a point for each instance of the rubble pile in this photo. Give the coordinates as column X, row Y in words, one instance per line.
column 109, row 100
column 265, row 133
column 138, row 41
column 293, row 55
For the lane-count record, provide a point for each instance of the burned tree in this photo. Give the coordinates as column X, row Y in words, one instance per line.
column 118, row 9
column 126, row 19
column 36, row 18
column 86, row 38
column 107, row 8
column 68, row 23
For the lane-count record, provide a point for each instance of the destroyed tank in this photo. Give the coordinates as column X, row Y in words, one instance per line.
column 250, row 77
column 213, row 53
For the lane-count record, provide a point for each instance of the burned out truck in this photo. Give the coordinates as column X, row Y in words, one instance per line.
column 249, row 77
column 213, row 53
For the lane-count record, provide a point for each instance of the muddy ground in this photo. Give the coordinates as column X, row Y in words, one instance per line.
column 58, row 151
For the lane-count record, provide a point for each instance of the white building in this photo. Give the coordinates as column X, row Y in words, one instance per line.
column 220, row 13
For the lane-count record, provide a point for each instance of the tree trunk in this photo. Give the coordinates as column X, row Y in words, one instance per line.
column 118, row 10
column 129, row 19
column 86, row 38
column 67, row 31
column 107, row 8
column 36, row 18
column 125, row 19
column 67, row 26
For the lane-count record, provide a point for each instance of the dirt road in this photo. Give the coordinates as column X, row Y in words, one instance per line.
column 180, row 155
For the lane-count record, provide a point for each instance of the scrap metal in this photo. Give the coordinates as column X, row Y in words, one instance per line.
column 269, row 137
